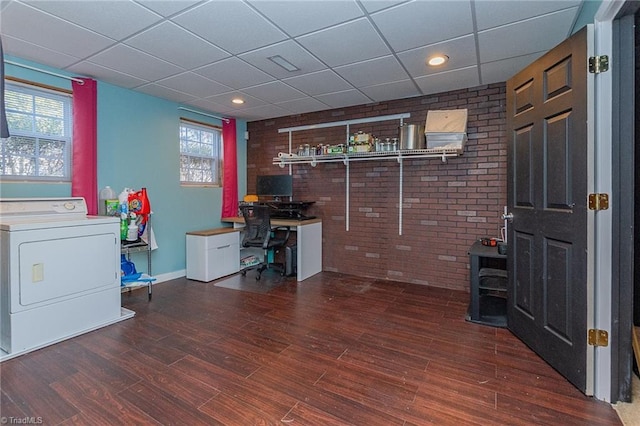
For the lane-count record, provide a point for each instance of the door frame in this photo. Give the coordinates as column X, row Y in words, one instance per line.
column 623, row 145
column 612, row 306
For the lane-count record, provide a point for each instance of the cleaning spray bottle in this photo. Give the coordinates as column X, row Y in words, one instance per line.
column 132, row 230
column 123, row 209
column 124, row 226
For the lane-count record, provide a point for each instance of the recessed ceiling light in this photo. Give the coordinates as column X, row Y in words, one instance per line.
column 434, row 61
column 279, row 60
column 237, row 101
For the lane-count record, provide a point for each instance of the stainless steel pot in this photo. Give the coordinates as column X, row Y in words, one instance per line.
column 412, row 136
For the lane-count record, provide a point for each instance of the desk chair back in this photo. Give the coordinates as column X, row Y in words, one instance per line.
column 258, row 233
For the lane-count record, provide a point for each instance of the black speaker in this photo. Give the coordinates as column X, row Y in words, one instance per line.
column 291, row 260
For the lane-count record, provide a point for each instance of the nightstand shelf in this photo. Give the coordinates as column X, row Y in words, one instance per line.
column 129, row 247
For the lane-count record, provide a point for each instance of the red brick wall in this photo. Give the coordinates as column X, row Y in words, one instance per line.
column 446, row 206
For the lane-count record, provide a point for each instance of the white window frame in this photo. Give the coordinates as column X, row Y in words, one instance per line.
column 66, row 137
column 189, row 154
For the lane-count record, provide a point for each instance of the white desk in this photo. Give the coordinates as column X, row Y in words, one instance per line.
column 309, row 245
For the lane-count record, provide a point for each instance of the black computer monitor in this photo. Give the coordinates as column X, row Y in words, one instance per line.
column 274, row 186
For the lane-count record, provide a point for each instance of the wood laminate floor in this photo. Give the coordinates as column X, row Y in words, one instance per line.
column 332, row 350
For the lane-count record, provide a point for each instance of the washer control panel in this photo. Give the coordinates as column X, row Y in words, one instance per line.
column 29, row 207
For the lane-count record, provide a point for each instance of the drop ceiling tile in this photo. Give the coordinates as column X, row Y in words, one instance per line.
column 318, row 83
column 256, row 113
column 165, row 93
column 167, row 8
column 33, row 52
column 273, row 92
column 516, row 40
column 344, row 99
column 301, row 17
column 173, row 44
column 499, row 71
column 231, row 25
column 422, row 23
column 53, row 33
column 136, row 63
column 390, row 91
column 194, row 84
column 461, row 52
column 358, row 41
column 376, row 5
column 372, row 72
column 206, row 105
column 491, row 14
column 289, row 50
column 450, row 80
column 234, row 73
column 99, row 72
column 112, row 18
column 354, row 35
column 303, row 105
column 225, row 100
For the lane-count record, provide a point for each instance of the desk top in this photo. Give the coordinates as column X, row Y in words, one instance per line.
column 477, row 249
column 214, row 231
column 276, row 222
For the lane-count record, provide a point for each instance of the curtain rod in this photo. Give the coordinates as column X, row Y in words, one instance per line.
column 77, row 80
column 204, row 113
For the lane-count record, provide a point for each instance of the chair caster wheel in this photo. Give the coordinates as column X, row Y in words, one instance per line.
column 257, row 277
column 244, row 273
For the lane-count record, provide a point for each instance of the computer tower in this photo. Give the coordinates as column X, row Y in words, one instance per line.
column 291, row 259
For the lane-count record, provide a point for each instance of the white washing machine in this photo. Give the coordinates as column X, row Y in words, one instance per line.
column 60, row 273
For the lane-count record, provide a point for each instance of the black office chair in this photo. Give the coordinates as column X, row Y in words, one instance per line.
column 259, row 233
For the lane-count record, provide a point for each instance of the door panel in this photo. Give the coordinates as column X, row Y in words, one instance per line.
column 523, row 151
column 547, row 184
column 557, row 164
column 522, row 289
column 557, row 283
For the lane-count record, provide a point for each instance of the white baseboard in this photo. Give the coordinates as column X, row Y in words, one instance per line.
column 170, row 276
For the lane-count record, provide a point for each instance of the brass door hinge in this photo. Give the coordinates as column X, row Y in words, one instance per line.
column 598, row 337
column 598, row 201
column 598, row 64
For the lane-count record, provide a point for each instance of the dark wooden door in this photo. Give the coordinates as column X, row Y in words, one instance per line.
column 547, row 196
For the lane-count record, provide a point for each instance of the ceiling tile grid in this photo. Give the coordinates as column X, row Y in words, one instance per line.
column 339, row 53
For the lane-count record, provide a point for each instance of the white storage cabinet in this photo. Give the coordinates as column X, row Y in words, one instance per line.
column 213, row 253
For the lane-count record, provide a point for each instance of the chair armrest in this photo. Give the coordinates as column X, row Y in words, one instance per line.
column 281, row 228
column 285, row 228
column 265, row 245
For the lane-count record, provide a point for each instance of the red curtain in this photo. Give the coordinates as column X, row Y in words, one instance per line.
column 230, row 169
column 4, row 126
column 84, row 181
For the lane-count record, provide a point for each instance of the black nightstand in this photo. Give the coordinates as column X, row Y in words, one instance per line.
column 488, row 284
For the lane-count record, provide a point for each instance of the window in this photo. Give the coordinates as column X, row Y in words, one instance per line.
column 200, row 153
column 39, row 147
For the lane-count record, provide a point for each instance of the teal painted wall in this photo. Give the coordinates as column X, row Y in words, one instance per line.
column 138, row 147
column 587, row 14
